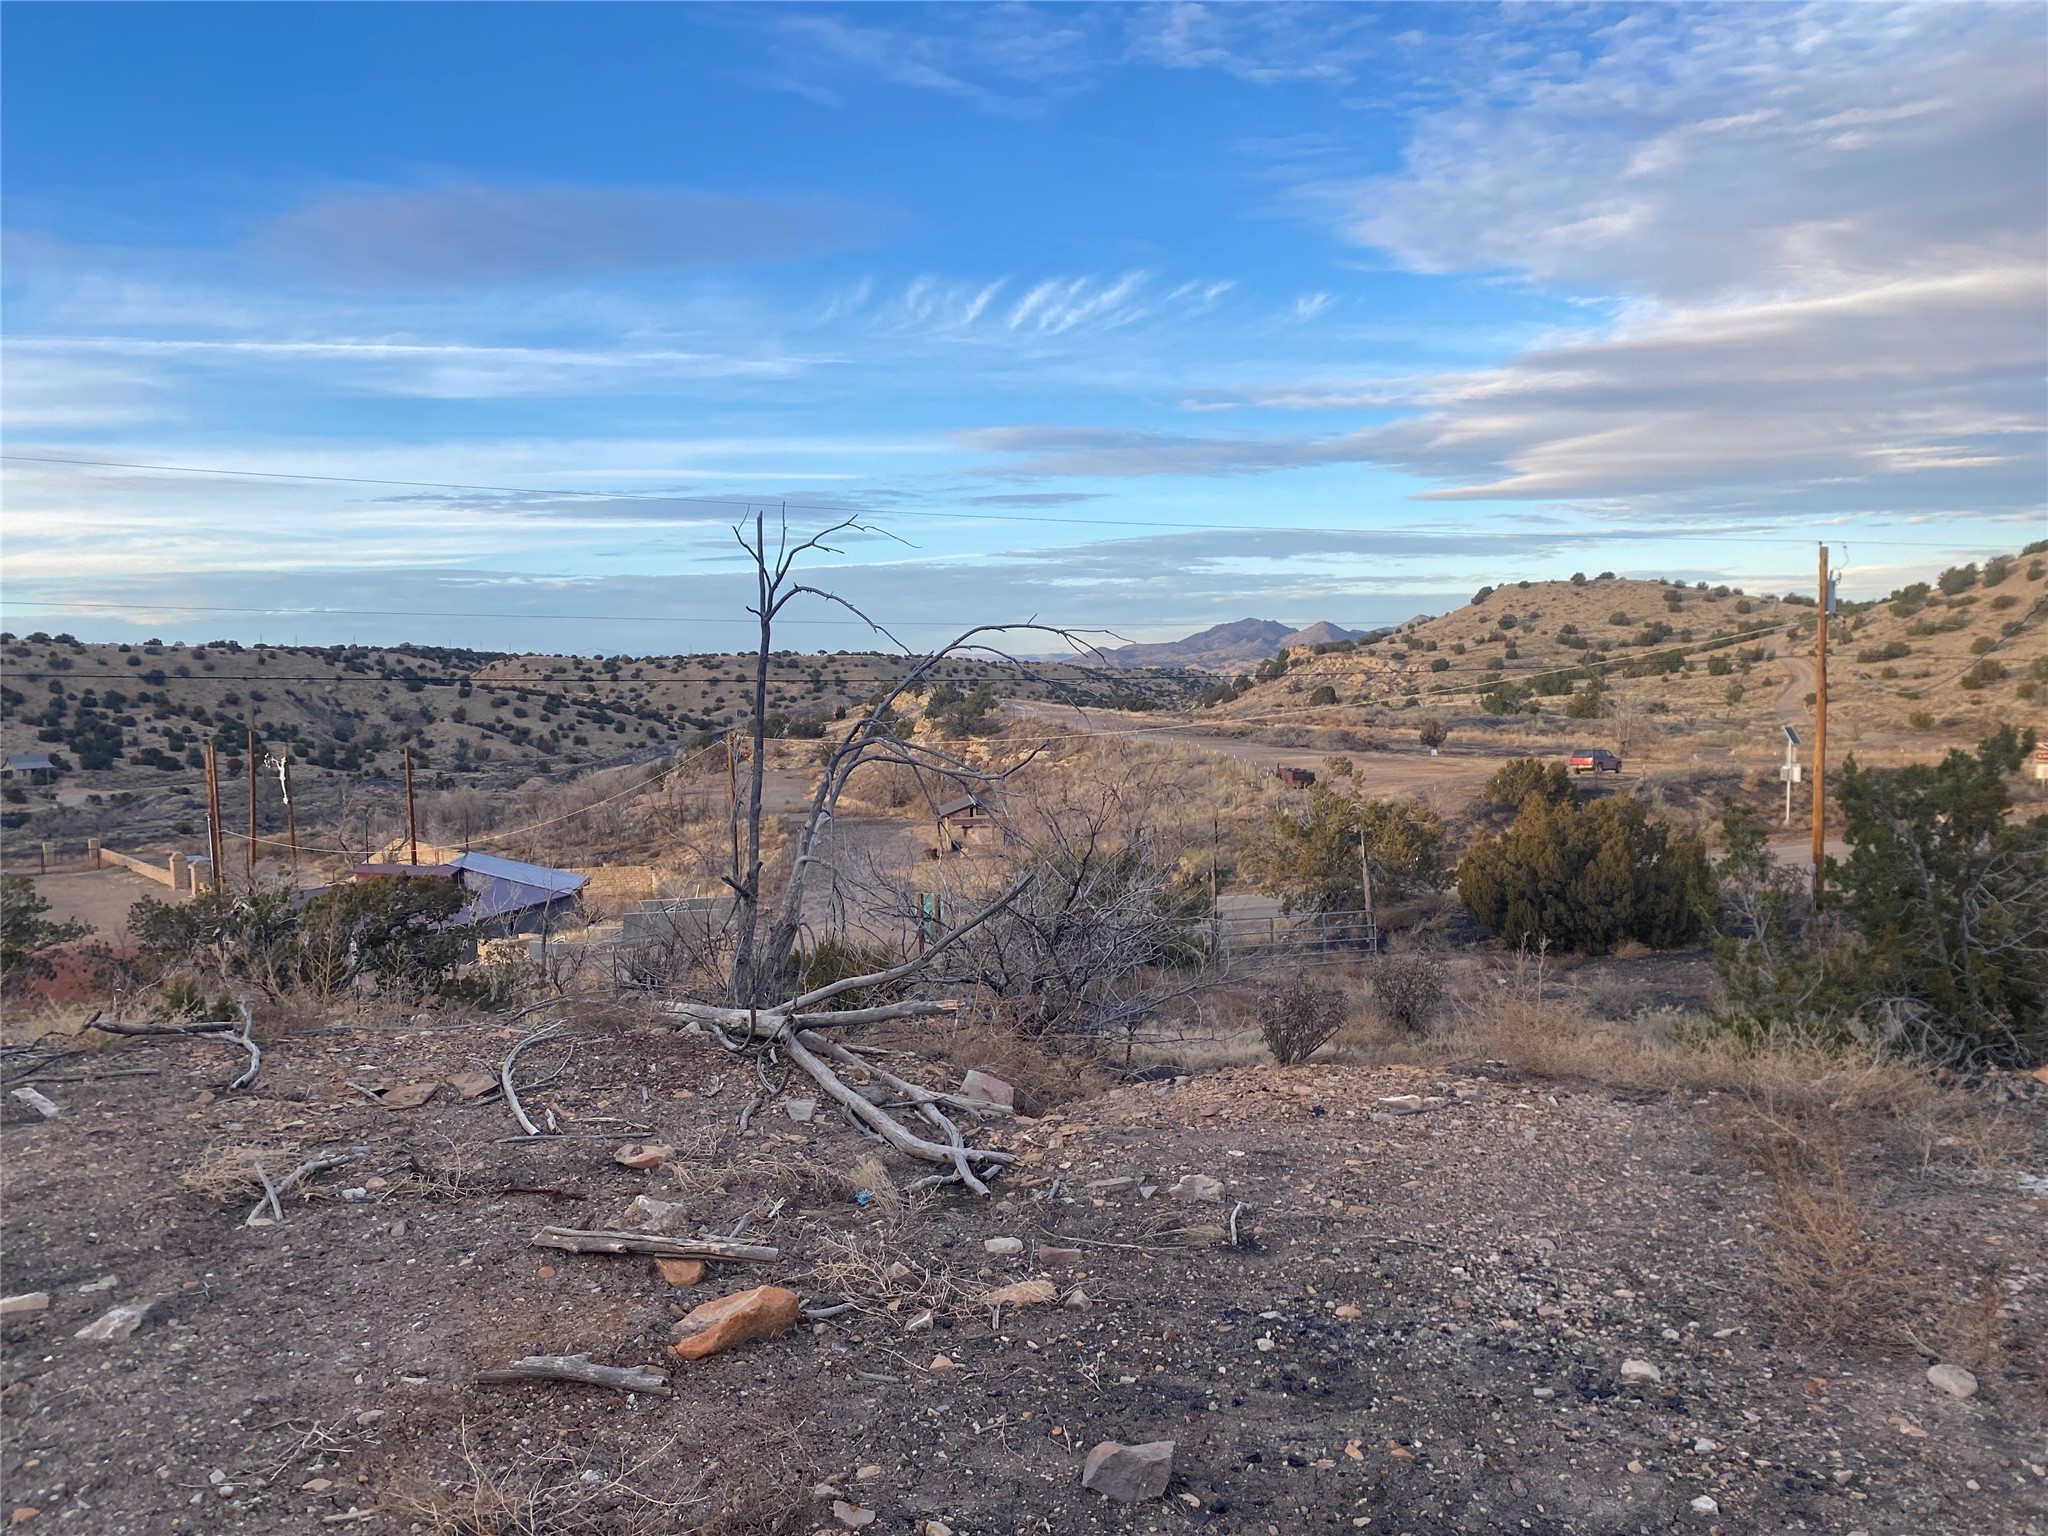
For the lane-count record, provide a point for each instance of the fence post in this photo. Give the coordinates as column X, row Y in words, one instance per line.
column 176, row 866
column 44, row 854
column 92, row 852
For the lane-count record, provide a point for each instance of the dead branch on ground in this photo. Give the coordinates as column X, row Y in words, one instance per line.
column 209, row 1029
column 578, row 1368
column 717, row 1250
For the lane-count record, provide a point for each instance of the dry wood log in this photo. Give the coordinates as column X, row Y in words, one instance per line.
column 718, row 1250
column 909, row 1090
column 884, row 1124
column 620, row 1378
column 207, row 1029
column 776, row 1019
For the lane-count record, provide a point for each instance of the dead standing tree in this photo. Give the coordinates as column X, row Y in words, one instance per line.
column 764, row 1019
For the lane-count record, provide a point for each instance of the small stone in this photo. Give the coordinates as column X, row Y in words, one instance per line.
column 647, row 1214
column 1670, row 1335
column 408, row 1095
column 94, row 1287
column 37, row 1102
column 1003, row 1245
column 800, row 1110
column 26, row 1303
column 852, row 1516
column 920, row 1323
column 1402, row 1103
column 1025, row 1293
column 1078, row 1300
column 1349, row 1313
column 1129, row 1474
column 765, row 1312
column 373, row 1185
column 680, row 1272
column 369, row 1418
column 1952, row 1379
column 868, row 1474
column 1544, row 1394
column 359, row 1193
column 316, row 1485
column 1058, row 1258
column 984, row 1088
column 1196, row 1186
column 1705, row 1506
column 638, row 1154
column 1640, row 1370
column 472, row 1085
column 943, row 1363
column 936, row 1528
column 23, row 1513
column 1704, row 1447
column 120, row 1323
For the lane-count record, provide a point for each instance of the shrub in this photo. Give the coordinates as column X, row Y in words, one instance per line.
column 1891, row 650
column 1951, row 901
column 1735, row 692
column 1298, row 1016
column 1983, row 674
column 1432, row 733
column 1323, row 695
column 1408, row 987
column 1515, row 781
column 1921, row 719
column 1589, row 703
column 25, row 932
column 1587, row 878
column 1312, row 862
column 1957, row 578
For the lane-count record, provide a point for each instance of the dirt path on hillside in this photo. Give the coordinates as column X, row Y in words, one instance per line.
column 1399, row 766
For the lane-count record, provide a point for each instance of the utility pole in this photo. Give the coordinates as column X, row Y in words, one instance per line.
column 213, row 839
column 1820, row 725
column 249, row 860
column 412, row 826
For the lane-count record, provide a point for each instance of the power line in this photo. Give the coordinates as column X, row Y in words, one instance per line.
column 751, row 503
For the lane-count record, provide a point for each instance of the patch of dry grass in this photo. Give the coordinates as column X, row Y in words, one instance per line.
column 224, row 1174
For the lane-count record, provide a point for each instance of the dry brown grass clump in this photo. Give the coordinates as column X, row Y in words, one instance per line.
column 872, row 1267
column 224, row 1174
column 1833, row 1271
column 1044, row 1078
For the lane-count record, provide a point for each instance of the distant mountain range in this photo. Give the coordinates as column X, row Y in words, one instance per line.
column 1225, row 647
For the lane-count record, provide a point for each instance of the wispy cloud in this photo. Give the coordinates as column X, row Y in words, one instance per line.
column 467, row 233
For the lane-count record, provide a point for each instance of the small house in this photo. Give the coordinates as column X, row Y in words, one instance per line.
column 36, row 767
column 504, row 897
column 968, row 821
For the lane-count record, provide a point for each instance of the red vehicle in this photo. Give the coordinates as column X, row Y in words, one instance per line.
column 1595, row 760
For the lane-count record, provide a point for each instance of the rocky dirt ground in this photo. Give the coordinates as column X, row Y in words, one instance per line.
column 1422, row 1325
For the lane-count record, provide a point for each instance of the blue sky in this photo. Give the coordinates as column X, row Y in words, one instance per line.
column 1143, row 318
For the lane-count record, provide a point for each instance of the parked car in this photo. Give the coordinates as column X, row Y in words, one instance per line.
column 1595, row 760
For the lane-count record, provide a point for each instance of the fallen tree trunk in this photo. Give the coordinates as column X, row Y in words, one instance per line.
column 718, row 1250
column 620, row 1378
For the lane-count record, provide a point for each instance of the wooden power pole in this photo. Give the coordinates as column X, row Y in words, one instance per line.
column 1820, row 726
column 213, row 837
column 249, row 861
column 412, row 826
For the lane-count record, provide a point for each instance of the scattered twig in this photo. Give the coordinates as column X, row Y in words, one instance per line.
column 1234, row 1210
column 270, row 1192
column 578, row 1368
column 747, row 1111
column 819, row 1314
column 505, row 1076
column 304, row 1171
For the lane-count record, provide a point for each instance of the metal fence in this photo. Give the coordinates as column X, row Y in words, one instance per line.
column 1298, row 933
